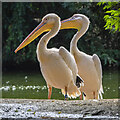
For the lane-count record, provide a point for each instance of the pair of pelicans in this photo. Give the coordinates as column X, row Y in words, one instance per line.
column 63, row 69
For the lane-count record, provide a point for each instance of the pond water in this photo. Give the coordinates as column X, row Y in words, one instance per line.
column 31, row 85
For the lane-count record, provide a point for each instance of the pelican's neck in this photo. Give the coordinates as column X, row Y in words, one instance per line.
column 78, row 35
column 42, row 45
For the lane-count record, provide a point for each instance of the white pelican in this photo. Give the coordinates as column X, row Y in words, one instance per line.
column 58, row 66
column 89, row 67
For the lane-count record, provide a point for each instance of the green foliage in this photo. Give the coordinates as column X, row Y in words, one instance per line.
column 113, row 20
column 97, row 40
column 29, row 110
column 19, row 19
column 112, row 16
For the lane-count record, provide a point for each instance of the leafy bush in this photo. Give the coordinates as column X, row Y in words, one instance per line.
column 19, row 19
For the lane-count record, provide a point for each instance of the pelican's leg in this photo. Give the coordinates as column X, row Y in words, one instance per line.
column 94, row 95
column 66, row 97
column 81, row 96
column 49, row 92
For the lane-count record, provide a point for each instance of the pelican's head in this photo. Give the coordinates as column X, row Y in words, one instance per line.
column 74, row 22
column 46, row 24
column 50, row 19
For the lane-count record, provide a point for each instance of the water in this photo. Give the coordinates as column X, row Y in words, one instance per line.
column 31, row 85
column 111, row 84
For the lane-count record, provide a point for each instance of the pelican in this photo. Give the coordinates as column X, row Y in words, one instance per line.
column 58, row 66
column 89, row 67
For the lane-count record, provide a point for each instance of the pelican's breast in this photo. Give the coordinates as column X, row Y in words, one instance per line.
column 54, row 69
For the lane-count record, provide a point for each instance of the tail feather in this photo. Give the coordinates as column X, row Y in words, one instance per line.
column 72, row 91
column 101, row 97
column 101, row 92
column 79, row 81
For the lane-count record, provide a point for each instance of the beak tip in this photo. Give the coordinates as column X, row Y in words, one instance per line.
column 15, row 51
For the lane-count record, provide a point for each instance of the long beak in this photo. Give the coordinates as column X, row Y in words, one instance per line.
column 71, row 24
column 42, row 27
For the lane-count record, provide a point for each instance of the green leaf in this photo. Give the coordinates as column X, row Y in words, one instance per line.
column 29, row 110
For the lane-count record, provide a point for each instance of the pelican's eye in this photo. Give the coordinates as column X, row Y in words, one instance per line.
column 73, row 17
column 45, row 20
column 77, row 18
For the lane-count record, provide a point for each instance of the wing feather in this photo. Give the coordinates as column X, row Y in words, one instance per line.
column 98, row 67
column 69, row 60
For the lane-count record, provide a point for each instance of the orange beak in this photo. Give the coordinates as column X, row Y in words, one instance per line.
column 71, row 24
column 42, row 27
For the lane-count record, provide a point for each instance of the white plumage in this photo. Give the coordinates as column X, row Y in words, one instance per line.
column 89, row 67
column 58, row 66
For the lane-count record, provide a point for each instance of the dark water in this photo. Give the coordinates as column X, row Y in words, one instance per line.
column 31, row 85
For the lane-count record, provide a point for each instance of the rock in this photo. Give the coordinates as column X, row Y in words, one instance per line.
column 59, row 109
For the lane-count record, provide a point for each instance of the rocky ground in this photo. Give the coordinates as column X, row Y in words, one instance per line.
column 59, row 109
